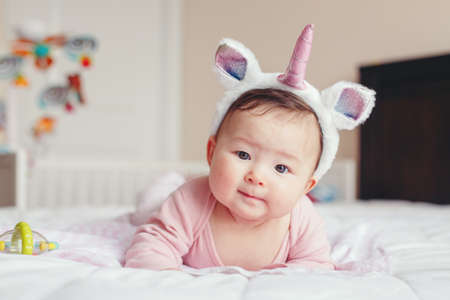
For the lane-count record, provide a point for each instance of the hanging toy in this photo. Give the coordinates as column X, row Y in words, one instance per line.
column 20, row 241
column 60, row 94
column 75, row 86
column 21, row 81
column 44, row 125
column 42, row 54
column 10, row 66
column 40, row 49
column 80, row 49
column 32, row 41
column 33, row 44
column 54, row 95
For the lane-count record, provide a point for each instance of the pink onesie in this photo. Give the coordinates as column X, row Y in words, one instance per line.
column 179, row 233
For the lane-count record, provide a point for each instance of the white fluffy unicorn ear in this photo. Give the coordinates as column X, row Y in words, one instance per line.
column 235, row 63
column 350, row 103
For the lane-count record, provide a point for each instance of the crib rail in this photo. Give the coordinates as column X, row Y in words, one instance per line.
column 76, row 183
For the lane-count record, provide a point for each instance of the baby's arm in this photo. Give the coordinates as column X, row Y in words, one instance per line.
column 311, row 248
column 162, row 242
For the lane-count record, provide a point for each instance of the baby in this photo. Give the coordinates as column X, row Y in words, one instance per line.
column 274, row 136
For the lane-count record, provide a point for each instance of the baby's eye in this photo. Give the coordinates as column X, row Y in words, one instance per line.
column 281, row 169
column 243, row 155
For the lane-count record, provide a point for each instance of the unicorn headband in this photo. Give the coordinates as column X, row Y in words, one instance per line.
column 344, row 105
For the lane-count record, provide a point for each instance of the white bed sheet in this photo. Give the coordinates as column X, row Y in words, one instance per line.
column 384, row 250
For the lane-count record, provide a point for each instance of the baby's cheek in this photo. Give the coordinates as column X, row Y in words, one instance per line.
column 221, row 179
column 287, row 196
column 217, row 180
column 214, row 179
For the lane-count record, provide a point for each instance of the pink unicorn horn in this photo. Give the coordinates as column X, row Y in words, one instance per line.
column 295, row 72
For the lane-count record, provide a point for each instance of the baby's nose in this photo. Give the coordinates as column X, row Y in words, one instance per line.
column 253, row 179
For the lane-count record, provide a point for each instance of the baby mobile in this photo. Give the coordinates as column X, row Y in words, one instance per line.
column 37, row 50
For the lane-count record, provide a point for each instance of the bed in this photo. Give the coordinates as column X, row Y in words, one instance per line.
column 382, row 249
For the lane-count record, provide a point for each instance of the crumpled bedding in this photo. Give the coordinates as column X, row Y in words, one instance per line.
column 383, row 250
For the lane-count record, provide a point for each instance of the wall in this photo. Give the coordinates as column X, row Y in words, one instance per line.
column 347, row 34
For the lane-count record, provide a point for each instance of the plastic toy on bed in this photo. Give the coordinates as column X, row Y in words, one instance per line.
column 20, row 241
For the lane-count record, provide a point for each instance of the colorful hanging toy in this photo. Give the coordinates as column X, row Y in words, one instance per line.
column 44, row 125
column 10, row 66
column 62, row 94
column 80, row 49
column 41, row 50
column 23, row 240
column 34, row 41
column 74, row 81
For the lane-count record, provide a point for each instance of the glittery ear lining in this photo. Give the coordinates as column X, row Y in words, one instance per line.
column 350, row 104
column 231, row 62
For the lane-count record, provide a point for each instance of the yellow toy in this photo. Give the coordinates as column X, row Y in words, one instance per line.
column 21, row 241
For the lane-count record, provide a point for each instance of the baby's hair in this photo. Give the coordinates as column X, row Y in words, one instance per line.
column 272, row 99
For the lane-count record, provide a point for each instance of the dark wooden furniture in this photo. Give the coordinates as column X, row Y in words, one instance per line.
column 405, row 144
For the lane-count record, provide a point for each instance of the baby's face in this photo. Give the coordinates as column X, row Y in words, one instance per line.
column 261, row 165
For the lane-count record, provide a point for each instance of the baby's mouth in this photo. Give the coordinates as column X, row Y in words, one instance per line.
column 250, row 196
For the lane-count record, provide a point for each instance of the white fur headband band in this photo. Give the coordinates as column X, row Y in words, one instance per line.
column 344, row 105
